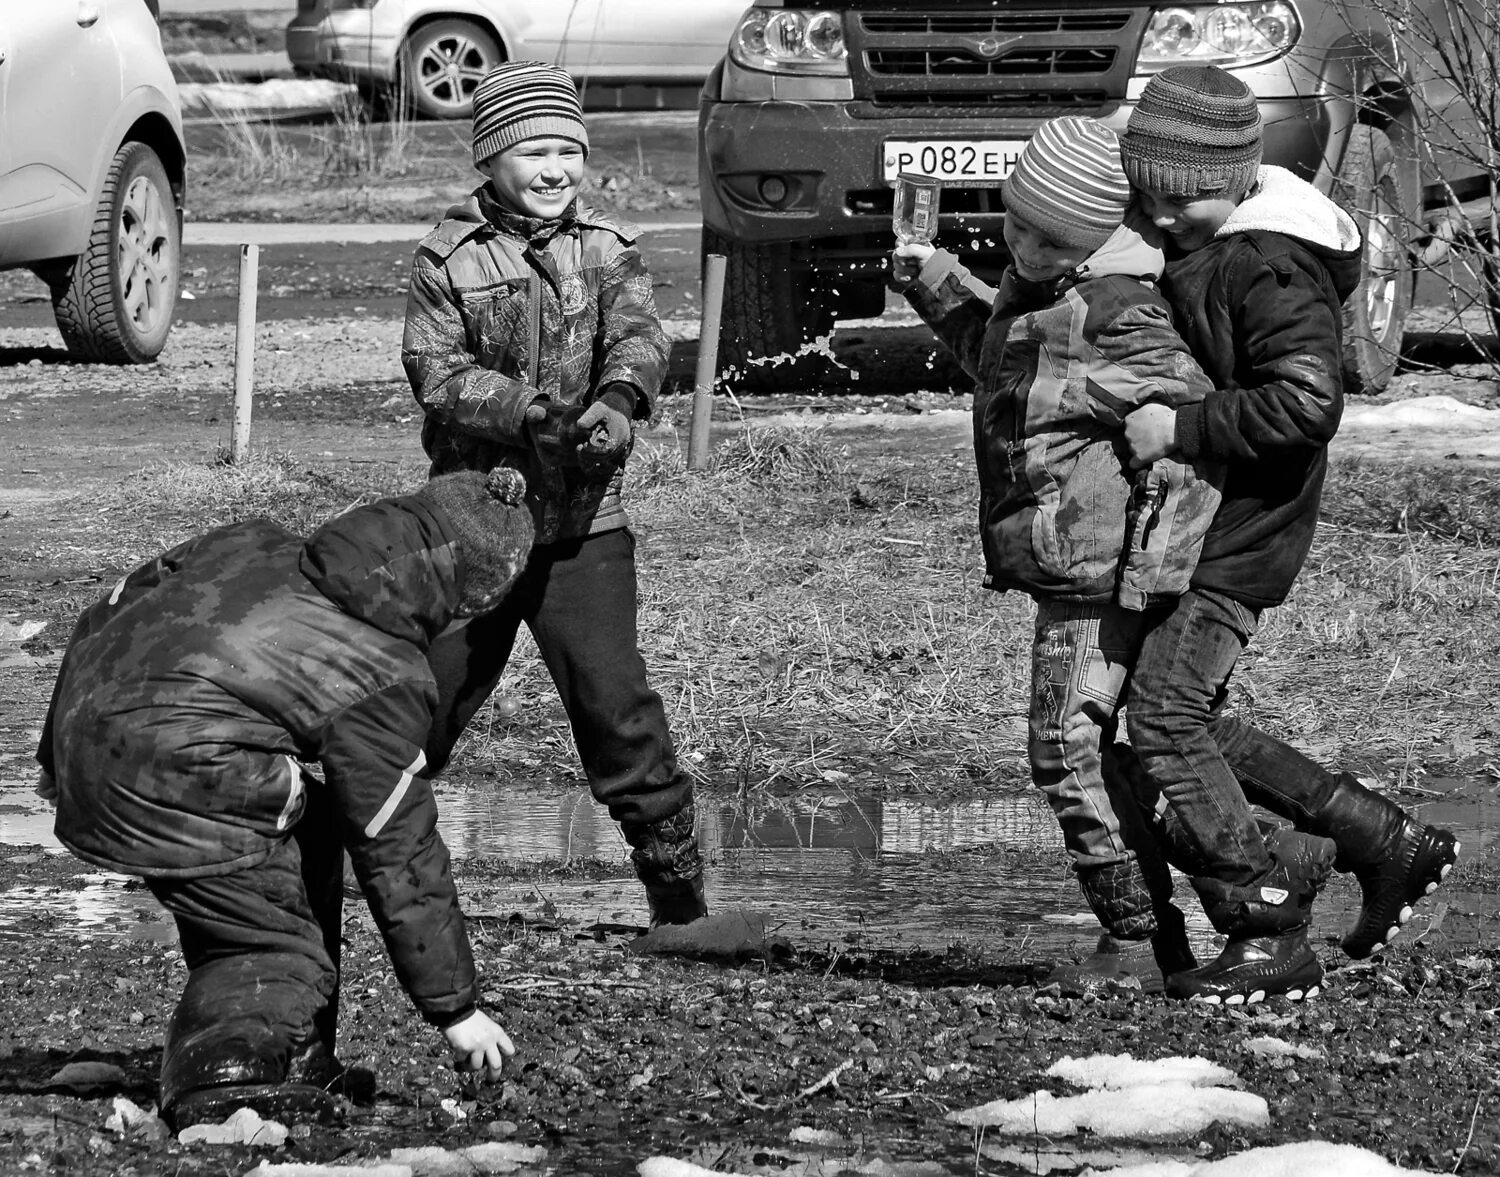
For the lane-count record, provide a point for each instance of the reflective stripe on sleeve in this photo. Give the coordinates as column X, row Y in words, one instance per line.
column 383, row 815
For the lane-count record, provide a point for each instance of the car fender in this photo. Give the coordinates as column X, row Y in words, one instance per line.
column 507, row 28
column 147, row 113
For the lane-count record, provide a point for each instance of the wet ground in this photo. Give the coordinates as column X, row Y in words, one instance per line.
column 825, row 868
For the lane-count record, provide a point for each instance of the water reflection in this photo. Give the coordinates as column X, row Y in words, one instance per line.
column 829, row 867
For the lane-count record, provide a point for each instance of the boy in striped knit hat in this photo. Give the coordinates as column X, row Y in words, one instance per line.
column 1075, row 338
column 1259, row 266
column 532, row 342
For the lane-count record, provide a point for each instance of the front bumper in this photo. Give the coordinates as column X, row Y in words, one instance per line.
column 827, row 157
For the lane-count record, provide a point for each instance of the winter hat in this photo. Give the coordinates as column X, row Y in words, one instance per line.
column 1195, row 131
column 1068, row 182
column 523, row 100
column 492, row 524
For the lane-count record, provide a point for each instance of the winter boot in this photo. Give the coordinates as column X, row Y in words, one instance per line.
column 210, row 1072
column 1267, row 953
column 1396, row 860
column 665, row 856
column 1142, row 963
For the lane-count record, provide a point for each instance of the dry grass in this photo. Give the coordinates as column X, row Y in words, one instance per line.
column 813, row 619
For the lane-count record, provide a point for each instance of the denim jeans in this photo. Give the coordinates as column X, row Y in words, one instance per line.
column 1176, row 703
column 578, row 598
column 1082, row 657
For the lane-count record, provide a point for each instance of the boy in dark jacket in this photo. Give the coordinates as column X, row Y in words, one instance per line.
column 1075, row 338
column 1259, row 266
column 532, row 342
column 187, row 703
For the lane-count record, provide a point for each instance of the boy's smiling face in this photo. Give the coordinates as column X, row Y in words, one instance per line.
column 1037, row 256
column 537, row 177
column 1191, row 221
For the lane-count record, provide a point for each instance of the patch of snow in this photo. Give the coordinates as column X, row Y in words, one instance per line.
column 1437, row 412
column 244, row 1126
column 1120, row 1070
column 1281, row 1160
column 1268, row 1047
column 1161, row 1111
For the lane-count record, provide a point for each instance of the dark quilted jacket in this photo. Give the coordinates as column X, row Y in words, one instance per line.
column 503, row 309
column 1261, row 306
column 187, row 696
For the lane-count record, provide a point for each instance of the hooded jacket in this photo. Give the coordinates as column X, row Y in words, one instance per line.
column 504, row 310
column 1058, row 367
column 188, row 695
column 1261, row 306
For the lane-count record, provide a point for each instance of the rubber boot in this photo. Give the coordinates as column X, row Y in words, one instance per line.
column 213, row 1070
column 666, row 859
column 1396, row 860
column 1141, row 963
column 1266, row 922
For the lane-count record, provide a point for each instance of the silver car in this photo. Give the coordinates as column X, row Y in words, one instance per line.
column 436, row 51
column 92, row 169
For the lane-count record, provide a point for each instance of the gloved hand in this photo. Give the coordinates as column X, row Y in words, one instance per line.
column 479, row 1045
column 46, row 787
column 605, row 426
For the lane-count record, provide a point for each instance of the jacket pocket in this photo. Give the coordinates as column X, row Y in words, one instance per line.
column 495, row 323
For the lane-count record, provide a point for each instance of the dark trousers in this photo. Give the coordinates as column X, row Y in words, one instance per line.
column 261, row 947
column 1175, row 719
column 578, row 598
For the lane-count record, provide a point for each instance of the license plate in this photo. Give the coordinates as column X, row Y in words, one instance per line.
column 976, row 162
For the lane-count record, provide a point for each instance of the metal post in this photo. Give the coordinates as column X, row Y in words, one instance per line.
column 708, row 362
column 244, row 354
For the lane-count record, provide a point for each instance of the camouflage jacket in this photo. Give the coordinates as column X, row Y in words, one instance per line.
column 188, row 695
column 1058, row 367
column 504, row 309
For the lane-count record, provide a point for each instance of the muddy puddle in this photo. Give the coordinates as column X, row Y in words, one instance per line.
column 829, row 869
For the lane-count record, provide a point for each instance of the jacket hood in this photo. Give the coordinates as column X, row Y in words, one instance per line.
column 1284, row 203
column 390, row 564
column 1134, row 250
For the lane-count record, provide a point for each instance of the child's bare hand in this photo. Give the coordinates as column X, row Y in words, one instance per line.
column 907, row 261
column 479, row 1045
column 1151, row 433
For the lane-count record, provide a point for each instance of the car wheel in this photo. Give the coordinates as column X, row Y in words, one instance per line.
column 114, row 303
column 444, row 62
column 1368, row 186
column 771, row 311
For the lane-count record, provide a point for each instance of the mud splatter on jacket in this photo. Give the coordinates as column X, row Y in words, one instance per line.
column 187, row 696
column 1261, row 305
column 504, row 309
column 1057, row 368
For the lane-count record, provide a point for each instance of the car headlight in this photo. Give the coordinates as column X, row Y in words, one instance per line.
column 790, row 40
column 1218, row 34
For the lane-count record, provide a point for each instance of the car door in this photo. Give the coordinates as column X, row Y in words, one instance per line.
column 635, row 40
column 59, row 84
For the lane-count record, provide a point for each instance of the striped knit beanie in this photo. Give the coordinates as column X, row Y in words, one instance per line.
column 523, row 100
column 1068, row 182
column 1196, row 131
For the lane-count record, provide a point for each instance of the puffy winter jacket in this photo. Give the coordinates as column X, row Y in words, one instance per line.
column 505, row 309
column 187, row 697
column 1261, row 306
column 1057, row 368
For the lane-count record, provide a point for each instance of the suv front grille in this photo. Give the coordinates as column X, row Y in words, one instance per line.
column 1024, row 62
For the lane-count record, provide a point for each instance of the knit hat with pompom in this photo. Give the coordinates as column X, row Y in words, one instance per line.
column 492, row 524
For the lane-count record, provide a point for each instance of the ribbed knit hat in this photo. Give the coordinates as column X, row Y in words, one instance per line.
column 1068, row 182
column 1195, row 131
column 522, row 100
column 492, row 524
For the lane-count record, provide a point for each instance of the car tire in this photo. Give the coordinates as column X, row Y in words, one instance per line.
column 114, row 303
column 771, row 310
column 442, row 64
column 1368, row 186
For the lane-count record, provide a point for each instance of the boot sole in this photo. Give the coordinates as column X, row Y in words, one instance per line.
column 1256, row 996
column 1443, row 856
column 286, row 1103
